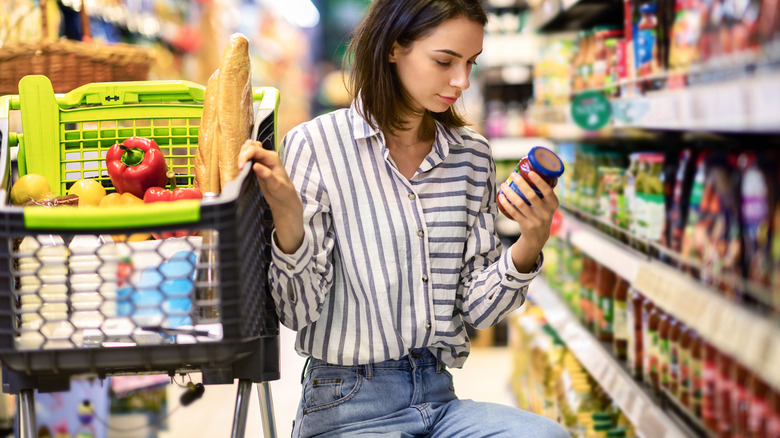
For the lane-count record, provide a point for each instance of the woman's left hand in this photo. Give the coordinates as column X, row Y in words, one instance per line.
column 534, row 219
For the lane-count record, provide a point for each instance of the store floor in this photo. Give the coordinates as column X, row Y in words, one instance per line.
column 485, row 377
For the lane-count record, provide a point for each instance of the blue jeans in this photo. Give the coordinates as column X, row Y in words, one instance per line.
column 410, row 397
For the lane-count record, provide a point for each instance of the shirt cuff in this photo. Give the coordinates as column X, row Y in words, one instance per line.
column 512, row 278
column 289, row 264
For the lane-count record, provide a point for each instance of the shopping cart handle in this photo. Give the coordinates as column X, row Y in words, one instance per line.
column 113, row 218
column 120, row 93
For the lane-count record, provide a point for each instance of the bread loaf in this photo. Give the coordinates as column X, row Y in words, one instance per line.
column 234, row 105
column 206, row 161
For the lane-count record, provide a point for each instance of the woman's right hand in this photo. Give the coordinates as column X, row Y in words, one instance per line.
column 279, row 192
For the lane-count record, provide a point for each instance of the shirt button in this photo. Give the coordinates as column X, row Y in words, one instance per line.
column 412, row 196
column 509, row 278
column 425, row 278
column 290, row 266
column 420, row 233
column 427, row 325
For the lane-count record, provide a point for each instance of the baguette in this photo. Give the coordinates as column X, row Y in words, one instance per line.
column 206, row 162
column 234, row 106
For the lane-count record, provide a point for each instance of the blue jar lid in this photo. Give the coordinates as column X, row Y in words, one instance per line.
column 545, row 162
column 648, row 8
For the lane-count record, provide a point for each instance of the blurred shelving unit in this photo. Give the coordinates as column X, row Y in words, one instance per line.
column 750, row 337
column 640, row 407
column 721, row 101
column 567, row 15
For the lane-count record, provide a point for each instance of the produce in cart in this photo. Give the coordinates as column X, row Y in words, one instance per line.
column 135, row 165
column 30, row 186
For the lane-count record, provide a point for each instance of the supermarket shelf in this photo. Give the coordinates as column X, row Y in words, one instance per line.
column 750, row 338
column 515, row 148
column 746, row 105
column 509, row 49
column 570, row 15
column 641, row 409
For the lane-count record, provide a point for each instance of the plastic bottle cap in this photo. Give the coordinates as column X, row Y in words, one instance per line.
column 545, row 162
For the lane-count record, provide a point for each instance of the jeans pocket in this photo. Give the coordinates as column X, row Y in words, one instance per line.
column 327, row 387
column 449, row 376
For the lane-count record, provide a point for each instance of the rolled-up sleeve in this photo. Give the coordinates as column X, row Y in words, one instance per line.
column 300, row 281
column 490, row 286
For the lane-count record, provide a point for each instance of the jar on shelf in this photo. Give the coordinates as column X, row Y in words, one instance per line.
column 601, row 55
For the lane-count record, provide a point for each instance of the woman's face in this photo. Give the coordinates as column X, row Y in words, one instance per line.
column 435, row 69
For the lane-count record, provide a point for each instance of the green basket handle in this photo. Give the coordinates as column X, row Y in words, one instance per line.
column 120, row 93
column 113, row 218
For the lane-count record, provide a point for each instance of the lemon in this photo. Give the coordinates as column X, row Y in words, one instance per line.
column 89, row 191
column 29, row 186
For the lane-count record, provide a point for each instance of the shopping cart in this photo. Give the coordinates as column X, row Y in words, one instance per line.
column 83, row 292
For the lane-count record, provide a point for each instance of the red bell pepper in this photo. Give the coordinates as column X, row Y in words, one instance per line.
column 135, row 165
column 161, row 194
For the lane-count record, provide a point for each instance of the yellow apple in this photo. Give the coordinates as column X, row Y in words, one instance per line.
column 89, row 191
column 30, row 186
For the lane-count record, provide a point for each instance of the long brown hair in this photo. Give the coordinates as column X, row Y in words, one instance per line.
column 373, row 79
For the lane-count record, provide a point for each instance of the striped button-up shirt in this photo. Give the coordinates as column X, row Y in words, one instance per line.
column 388, row 263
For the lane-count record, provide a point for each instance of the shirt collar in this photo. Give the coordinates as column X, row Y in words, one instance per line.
column 361, row 129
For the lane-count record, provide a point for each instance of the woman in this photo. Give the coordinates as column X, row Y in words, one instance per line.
column 384, row 246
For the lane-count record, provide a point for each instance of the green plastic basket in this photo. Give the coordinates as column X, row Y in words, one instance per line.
column 66, row 138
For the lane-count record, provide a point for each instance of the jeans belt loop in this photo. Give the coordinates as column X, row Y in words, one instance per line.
column 305, row 366
column 369, row 370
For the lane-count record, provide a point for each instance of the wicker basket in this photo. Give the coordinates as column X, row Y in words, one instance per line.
column 70, row 64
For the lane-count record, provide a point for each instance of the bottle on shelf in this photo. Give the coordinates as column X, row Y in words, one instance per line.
column 697, row 374
column 647, row 41
column 741, row 400
column 724, row 388
column 684, row 386
column 635, row 334
column 664, row 324
column 675, row 330
column 604, row 305
column 709, row 412
column 620, row 328
column 653, row 350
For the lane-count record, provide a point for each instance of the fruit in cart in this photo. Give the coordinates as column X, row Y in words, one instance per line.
column 135, row 165
column 120, row 200
column 124, row 200
column 30, row 186
column 161, row 194
column 89, row 191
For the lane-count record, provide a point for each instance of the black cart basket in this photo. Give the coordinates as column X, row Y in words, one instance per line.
column 169, row 288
